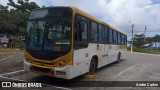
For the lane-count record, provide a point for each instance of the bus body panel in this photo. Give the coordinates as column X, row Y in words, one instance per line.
column 81, row 58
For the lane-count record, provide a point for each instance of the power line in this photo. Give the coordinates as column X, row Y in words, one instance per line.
column 148, row 25
column 143, row 31
column 139, row 25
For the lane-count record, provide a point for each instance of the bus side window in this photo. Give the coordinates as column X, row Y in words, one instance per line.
column 105, row 34
column 110, row 36
column 123, row 39
column 119, row 38
column 94, row 32
column 101, row 32
column 81, row 33
column 115, row 37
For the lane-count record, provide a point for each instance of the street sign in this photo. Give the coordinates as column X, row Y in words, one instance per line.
column 4, row 39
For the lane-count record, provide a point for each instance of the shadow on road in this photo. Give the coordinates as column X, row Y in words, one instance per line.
column 109, row 66
column 75, row 82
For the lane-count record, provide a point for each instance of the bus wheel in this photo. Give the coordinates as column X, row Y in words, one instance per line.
column 118, row 58
column 93, row 66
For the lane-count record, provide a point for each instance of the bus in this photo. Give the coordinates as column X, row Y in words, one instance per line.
column 66, row 42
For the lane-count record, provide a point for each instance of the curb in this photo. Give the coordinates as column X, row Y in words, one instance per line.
column 145, row 53
column 89, row 76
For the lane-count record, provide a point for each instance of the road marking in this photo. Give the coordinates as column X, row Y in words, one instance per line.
column 12, row 73
column 15, row 72
column 125, row 70
column 59, row 87
column 11, row 78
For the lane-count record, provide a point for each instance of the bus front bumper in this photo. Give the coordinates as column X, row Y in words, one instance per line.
column 63, row 72
column 26, row 66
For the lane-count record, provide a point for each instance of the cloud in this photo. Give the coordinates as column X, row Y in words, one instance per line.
column 116, row 12
column 119, row 12
column 3, row 2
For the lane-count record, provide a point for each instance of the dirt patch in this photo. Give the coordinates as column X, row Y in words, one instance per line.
column 8, row 52
column 12, row 64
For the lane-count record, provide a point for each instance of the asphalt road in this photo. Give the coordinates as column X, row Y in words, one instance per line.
column 137, row 67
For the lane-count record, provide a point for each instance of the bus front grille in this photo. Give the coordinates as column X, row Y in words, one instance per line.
column 44, row 55
column 39, row 69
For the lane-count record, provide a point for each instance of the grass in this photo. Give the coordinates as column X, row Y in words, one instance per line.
column 8, row 52
column 147, row 50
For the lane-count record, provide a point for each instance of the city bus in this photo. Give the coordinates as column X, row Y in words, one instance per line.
column 66, row 42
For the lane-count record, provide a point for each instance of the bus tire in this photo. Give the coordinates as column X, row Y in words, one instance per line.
column 93, row 66
column 118, row 58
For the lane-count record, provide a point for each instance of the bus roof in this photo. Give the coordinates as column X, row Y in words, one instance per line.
column 95, row 19
column 76, row 10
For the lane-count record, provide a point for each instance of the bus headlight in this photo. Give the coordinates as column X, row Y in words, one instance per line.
column 66, row 60
column 63, row 62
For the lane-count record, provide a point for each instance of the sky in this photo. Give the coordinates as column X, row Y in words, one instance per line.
column 118, row 13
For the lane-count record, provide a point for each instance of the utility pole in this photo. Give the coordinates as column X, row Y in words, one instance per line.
column 132, row 25
column 145, row 34
column 132, row 38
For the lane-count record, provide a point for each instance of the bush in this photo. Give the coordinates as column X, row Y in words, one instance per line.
column 18, row 44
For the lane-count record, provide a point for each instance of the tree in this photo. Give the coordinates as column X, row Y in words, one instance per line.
column 22, row 8
column 149, row 41
column 14, row 21
column 6, row 24
column 156, row 39
column 23, row 5
column 138, row 40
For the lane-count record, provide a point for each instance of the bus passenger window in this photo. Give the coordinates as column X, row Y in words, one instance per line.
column 119, row 38
column 123, row 39
column 110, row 36
column 84, row 32
column 106, row 34
column 81, row 30
column 100, row 34
column 115, row 37
column 94, row 31
column 81, row 33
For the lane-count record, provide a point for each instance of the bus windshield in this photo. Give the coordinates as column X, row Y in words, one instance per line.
column 49, row 35
column 49, row 29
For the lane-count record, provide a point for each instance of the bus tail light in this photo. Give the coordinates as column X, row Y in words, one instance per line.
column 60, row 73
